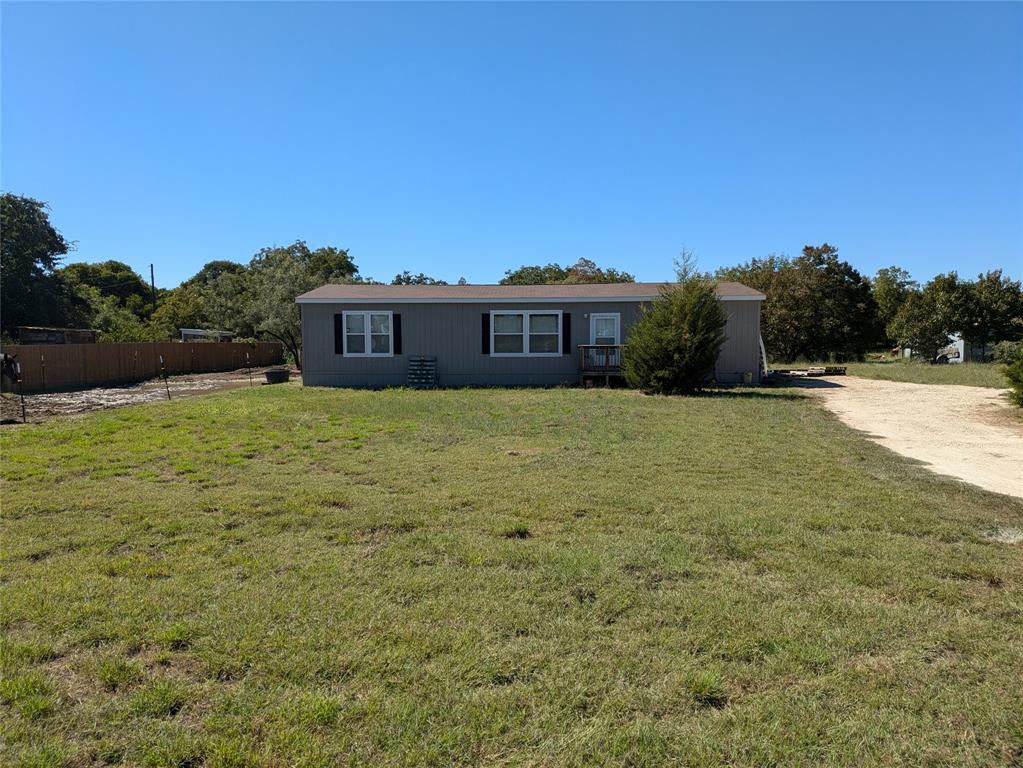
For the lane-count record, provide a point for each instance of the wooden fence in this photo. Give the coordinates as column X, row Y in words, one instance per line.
column 64, row 367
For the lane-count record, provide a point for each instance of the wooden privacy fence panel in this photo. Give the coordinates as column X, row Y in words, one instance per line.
column 62, row 367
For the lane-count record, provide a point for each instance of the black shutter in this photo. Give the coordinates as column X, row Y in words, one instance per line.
column 566, row 333
column 486, row 333
column 396, row 319
column 339, row 335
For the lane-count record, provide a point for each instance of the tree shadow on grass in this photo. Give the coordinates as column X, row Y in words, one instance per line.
column 807, row 383
column 747, row 394
column 774, row 389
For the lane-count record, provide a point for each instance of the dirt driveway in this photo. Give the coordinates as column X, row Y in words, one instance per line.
column 967, row 432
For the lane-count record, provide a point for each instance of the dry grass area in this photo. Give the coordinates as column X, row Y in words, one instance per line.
column 966, row 374
column 279, row 576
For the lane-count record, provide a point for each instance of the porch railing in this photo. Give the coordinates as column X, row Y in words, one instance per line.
column 601, row 358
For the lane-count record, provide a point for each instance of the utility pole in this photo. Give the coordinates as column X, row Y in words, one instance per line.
column 152, row 284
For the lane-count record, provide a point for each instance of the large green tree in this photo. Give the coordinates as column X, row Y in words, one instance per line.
column 535, row 275
column 583, row 271
column 407, row 278
column 949, row 297
column 263, row 298
column 182, row 307
column 214, row 297
column 226, row 302
column 114, row 280
column 32, row 292
column 586, row 271
column 212, row 271
column 817, row 307
column 983, row 312
column 992, row 309
column 891, row 287
column 113, row 321
column 920, row 323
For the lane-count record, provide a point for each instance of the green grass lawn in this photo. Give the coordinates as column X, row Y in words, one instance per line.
column 968, row 374
column 282, row 576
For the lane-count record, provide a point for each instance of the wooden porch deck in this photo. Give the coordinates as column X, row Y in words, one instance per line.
column 600, row 363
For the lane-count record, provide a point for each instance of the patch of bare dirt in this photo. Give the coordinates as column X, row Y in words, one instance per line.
column 47, row 406
column 970, row 433
column 1006, row 535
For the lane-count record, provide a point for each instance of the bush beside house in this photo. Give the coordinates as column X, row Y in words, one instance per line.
column 673, row 346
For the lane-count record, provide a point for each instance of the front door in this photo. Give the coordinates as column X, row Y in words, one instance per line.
column 605, row 329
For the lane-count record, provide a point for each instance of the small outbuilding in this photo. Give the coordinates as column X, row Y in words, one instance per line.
column 38, row 335
column 204, row 334
column 496, row 335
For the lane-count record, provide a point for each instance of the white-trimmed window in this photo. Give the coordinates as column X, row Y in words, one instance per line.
column 535, row 333
column 368, row 334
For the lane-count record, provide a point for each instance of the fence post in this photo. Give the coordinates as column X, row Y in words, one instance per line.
column 163, row 372
column 21, row 392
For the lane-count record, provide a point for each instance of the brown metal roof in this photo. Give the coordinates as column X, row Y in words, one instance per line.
column 485, row 293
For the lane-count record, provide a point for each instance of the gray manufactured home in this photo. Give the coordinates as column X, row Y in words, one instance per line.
column 495, row 335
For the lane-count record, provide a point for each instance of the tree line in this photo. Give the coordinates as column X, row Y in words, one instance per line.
column 818, row 306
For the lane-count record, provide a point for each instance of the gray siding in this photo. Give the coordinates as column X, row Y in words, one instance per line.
column 741, row 351
column 452, row 334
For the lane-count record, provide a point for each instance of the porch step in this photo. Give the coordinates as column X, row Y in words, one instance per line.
column 422, row 372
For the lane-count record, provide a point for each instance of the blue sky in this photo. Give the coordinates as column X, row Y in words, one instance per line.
column 463, row 140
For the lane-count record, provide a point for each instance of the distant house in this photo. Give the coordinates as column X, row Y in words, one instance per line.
column 203, row 334
column 495, row 335
column 959, row 351
column 956, row 351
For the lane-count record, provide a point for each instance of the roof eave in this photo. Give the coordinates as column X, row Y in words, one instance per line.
column 503, row 299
